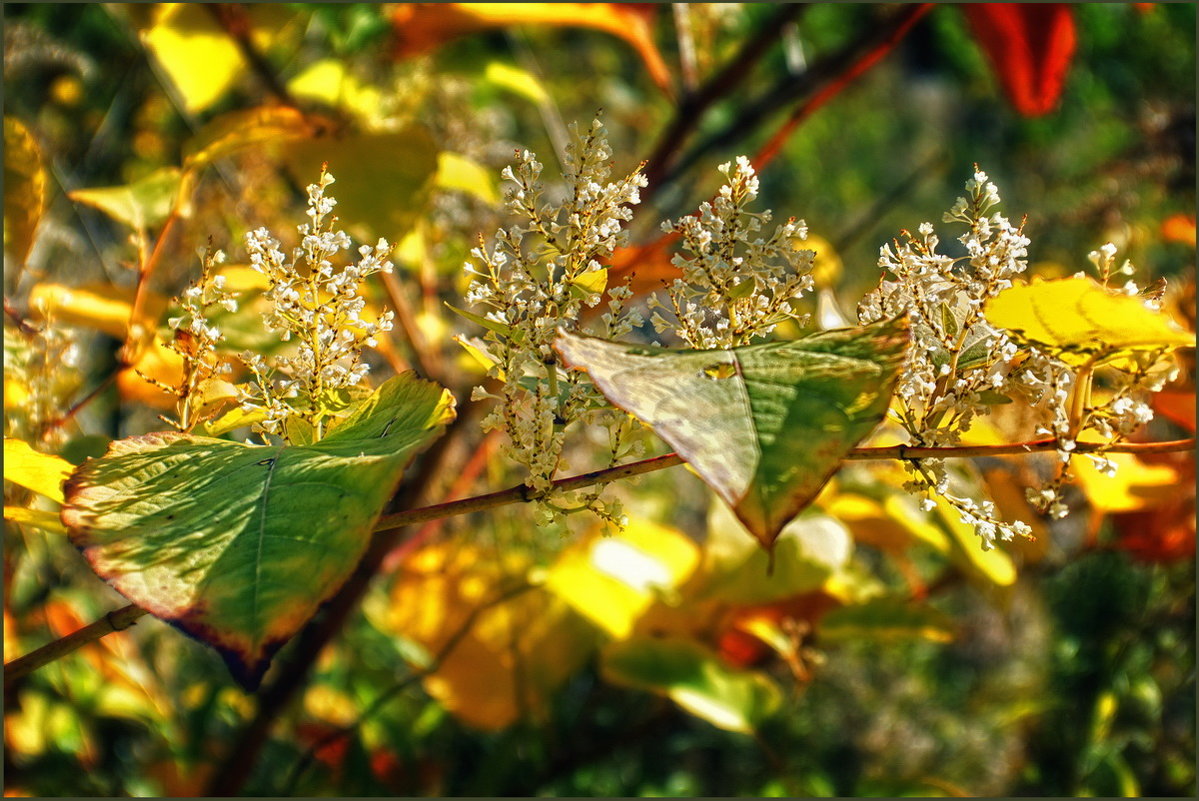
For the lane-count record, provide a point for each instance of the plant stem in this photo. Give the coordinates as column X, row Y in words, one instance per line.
column 117, row 620
column 124, row 617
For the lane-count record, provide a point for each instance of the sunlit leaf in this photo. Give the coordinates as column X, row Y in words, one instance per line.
column 199, row 57
column 515, row 80
column 158, row 362
column 508, row 655
column 613, row 580
column 40, row 472
column 694, row 678
column 1082, row 320
column 764, row 425
column 99, row 307
column 25, row 194
column 1030, row 46
column 238, row 545
column 1135, row 485
column 142, row 204
column 329, row 81
column 459, row 173
column 420, row 27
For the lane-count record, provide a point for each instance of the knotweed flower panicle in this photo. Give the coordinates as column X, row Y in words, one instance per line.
column 317, row 303
column 959, row 364
column 197, row 340
column 538, row 277
column 41, row 364
column 736, row 284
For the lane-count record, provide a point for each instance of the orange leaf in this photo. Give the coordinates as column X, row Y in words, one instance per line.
column 1030, row 46
column 1179, row 228
column 421, row 27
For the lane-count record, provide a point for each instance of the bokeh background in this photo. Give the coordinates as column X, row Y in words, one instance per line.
column 1069, row 669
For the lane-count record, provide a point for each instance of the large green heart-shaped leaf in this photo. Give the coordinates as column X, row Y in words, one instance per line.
column 238, row 544
column 764, row 425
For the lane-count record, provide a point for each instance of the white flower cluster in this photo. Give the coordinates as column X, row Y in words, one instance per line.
column 537, row 278
column 316, row 303
column 41, row 362
column 736, row 285
column 197, row 340
column 959, row 365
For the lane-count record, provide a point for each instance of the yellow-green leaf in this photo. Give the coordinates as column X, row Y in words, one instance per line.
column 693, row 677
column 1082, row 320
column 457, row 172
column 515, row 80
column 40, row 472
column 37, row 518
column 100, row 307
column 142, row 204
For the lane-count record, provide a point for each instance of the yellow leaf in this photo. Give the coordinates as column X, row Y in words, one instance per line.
column 509, row 658
column 457, row 172
column 891, row 525
column 158, row 362
column 421, row 27
column 1135, row 485
column 826, row 266
column 24, row 193
column 614, row 580
column 196, row 53
column 515, row 80
column 1081, row 319
column 477, row 349
column 35, row 471
column 38, row 518
column 238, row 130
column 100, row 307
column 329, row 82
column 994, row 565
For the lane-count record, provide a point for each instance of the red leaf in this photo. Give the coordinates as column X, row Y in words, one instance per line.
column 1030, row 46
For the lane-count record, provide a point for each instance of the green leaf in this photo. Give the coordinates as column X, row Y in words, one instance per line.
column 490, row 325
column 886, row 619
column 383, row 179
column 1081, row 319
column 142, row 204
column 765, row 426
column 25, row 194
column 694, row 678
column 238, row 545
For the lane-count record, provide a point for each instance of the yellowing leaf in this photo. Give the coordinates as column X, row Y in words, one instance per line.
column 457, row 172
column 613, row 580
column 515, row 80
column 1135, row 485
column 420, row 27
column 886, row 619
column 142, row 204
column 24, row 193
column 1082, row 320
column 197, row 54
column 890, row 525
column 511, row 650
column 826, row 266
column 245, row 128
column 100, row 307
column 40, row 472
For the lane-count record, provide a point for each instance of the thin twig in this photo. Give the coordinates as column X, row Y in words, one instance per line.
column 425, row 357
column 692, row 107
column 522, row 494
column 434, row 665
column 826, row 72
column 116, row 620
